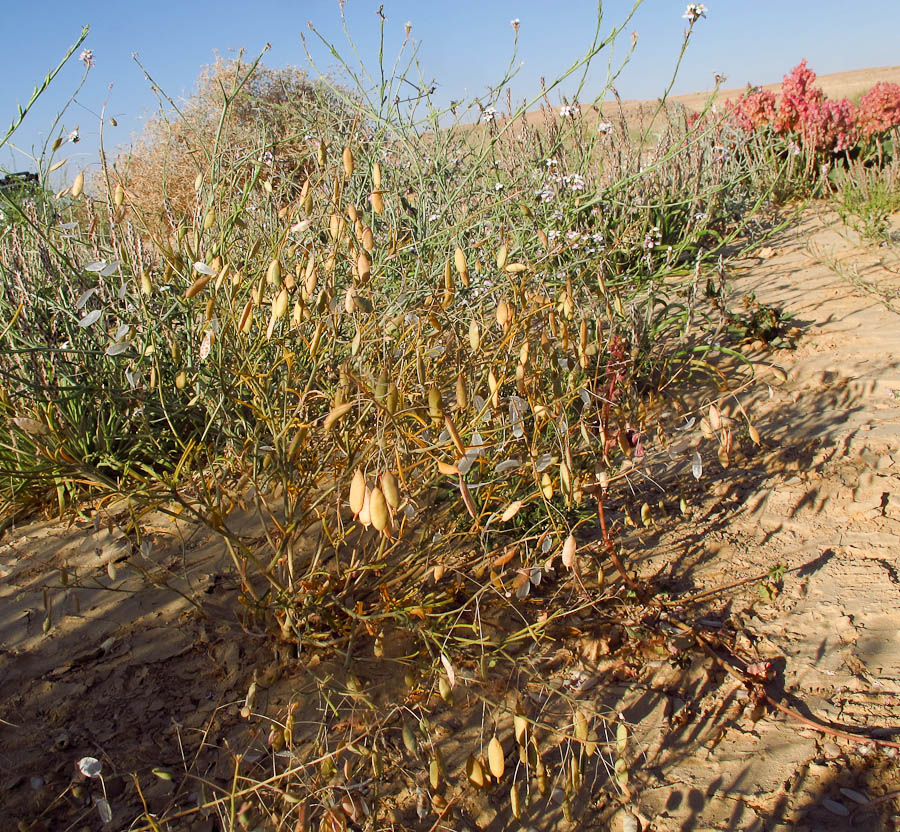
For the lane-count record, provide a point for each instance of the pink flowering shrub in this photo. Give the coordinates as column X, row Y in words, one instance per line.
column 801, row 113
column 879, row 109
column 755, row 110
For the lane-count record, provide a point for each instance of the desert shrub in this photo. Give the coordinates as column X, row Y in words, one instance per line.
column 414, row 349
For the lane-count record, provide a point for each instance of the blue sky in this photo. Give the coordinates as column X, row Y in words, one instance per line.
column 464, row 46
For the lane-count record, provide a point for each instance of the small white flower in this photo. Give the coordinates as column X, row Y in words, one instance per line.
column 498, row 186
column 73, row 137
column 604, row 128
column 489, row 114
column 515, row 23
column 569, row 110
column 694, row 12
column 87, row 57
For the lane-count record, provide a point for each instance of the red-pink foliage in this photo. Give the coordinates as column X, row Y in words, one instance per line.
column 821, row 125
column 798, row 98
column 755, row 109
column 879, row 109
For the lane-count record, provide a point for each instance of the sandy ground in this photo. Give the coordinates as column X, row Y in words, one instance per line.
column 134, row 657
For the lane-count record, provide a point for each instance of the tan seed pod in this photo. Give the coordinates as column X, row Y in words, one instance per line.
column 198, row 181
column 146, row 285
column 377, row 202
column 438, row 572
column 197, row 286
column 502, row 254
column 496, row 757
column 502, row 314
column 462, row 269
column 357, row 492
column 322, row 153
column 715, row 418
column 646, row 516
column 118, row 195
column 336, row 414
column 444, row 689
column 475, row 772
column 209, row 219
column 754, row 435
column 515, row 805
column 246, row 318
column 520, row 728
column 78, row 185
column 347, row 159
column 706, row 429
column 435, row 406
column 515, row 268
column 273, row 273
column 181, row 380
column 363, row 266
column 581, row 726
column 390, row 489
column 280, row 304
column 474, row 335
column 462, row 399
column 447, row 470
column 568, row 551
column 376, row 175
column 378, row 510
column 365, row 514
column 368, row 241
column 511, row 511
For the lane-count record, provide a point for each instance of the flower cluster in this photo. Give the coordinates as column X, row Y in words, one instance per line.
column 879, row 109
column 694, row 12
column 803, row 114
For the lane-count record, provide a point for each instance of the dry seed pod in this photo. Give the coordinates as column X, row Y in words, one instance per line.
column 365, row 515
column 459, row 258
column 197, row 286
column 336, row 414
column 181, row 380
column 502, row 254
column 246, row 318
column 520, row 728
column 378, row 510
column 496, row 757
column 390, row 489
column 209, row 219
column 322, row 153
column 715, row 418
column 118, row 195
column 198, row 182
column 363, row 267
column 78, row 185
column 502, row 314
column 273, row 273
column 347, row 159
column 581, row 726
column 754, row 434
column 515, row 804
column 568, row 551
column 435, row 406
column 438, row 572
column 461, row 397
column 377, row 202
column 646, row 517
column 515, row 268
column 494, row 387
column 280, row 304
column 474, row 336
column 357, row 492
column 368, row 241
column 475, row 772
column 376, row 175
column 444, row 689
